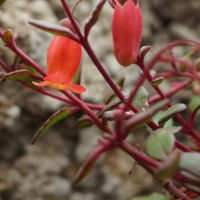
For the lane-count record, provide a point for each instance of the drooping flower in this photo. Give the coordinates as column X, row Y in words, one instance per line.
column 126, row 31
column 63, row 59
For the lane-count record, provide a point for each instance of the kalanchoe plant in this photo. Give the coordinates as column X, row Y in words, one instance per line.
column 164, row 157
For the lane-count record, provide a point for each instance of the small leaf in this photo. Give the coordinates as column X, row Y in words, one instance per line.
column 141, row 99
column 175, row 109
column 143, row 117
column 120, row 80
column 154, row 196
column 84, row 122
column 191, row 177
column 169, row 167
column 190, row 162
column 8, row 37
column 54, row 29
column 89, row 163
column 114, row 114
column 173, row 129
column 110, row 106
column 94, row 16
column 194, row 104
column 159, row 144
column 56, row 117
column 157, row 117
column 157, row 81
column 143, row 51
column 19, row 74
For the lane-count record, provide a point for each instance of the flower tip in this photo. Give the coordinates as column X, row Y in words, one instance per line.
column 78, row 89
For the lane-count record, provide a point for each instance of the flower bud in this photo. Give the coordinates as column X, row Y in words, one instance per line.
column 126, row 31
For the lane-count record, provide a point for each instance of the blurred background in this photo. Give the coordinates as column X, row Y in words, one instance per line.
column 45, row 171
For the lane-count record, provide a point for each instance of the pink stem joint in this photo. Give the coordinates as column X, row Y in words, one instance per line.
column 126, row 31
column 63, row 59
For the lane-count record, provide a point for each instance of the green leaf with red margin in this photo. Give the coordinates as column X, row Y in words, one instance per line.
column 89, row 163
column 93, row 18
column 154, row 196
column 54, row 29
column 169, row 167
column 84, row 122
column 144, row 116
column 194, row 104
column 56, row 117
column 173, row 110
column 19, row 74
column 160, row 143
column 190, row 162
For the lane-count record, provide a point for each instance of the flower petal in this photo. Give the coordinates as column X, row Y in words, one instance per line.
column 44, row 83
column 77, row 88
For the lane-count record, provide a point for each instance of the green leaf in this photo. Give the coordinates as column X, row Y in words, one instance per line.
column 190, row 177
column 157, row 81
column 8, row 37
column 143, row 117
column 28, row 67
column 169, row 167
column 56, row 117
column 89, row 163
column 190, row 162
column 120, row 80
column 19, row 74
column 194, row 104
column 110, row 106
column 140, row 101
column 175, row 109
column 174, row 129
column 94, row 16
column 159, row 144
column 54, row 29
column 84, row 122
column 154, row 196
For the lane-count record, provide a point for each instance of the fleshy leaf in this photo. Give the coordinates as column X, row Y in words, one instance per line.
column 169, row 167
column 157, row 81
column 174, row 129
column 88, row 164
column 191, row 177
column 54, row 29
column 159, row 144
column 190, row 162
column 154, row 196
column 84, row 122
column 143, row 51
column 56, row 117
column 8, row 37
column 120, row 80
column 140, row 101
column 93, row 17
column 143, row 117
column 194, row 104
column 19, row 74
column 173, row 110
column 110, row 106
column 114, row 114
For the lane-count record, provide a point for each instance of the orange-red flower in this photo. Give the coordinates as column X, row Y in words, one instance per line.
column 63, row 59
column 126, row 31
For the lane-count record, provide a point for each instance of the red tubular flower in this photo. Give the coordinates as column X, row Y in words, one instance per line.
column 126, row 31
column 63, row 59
